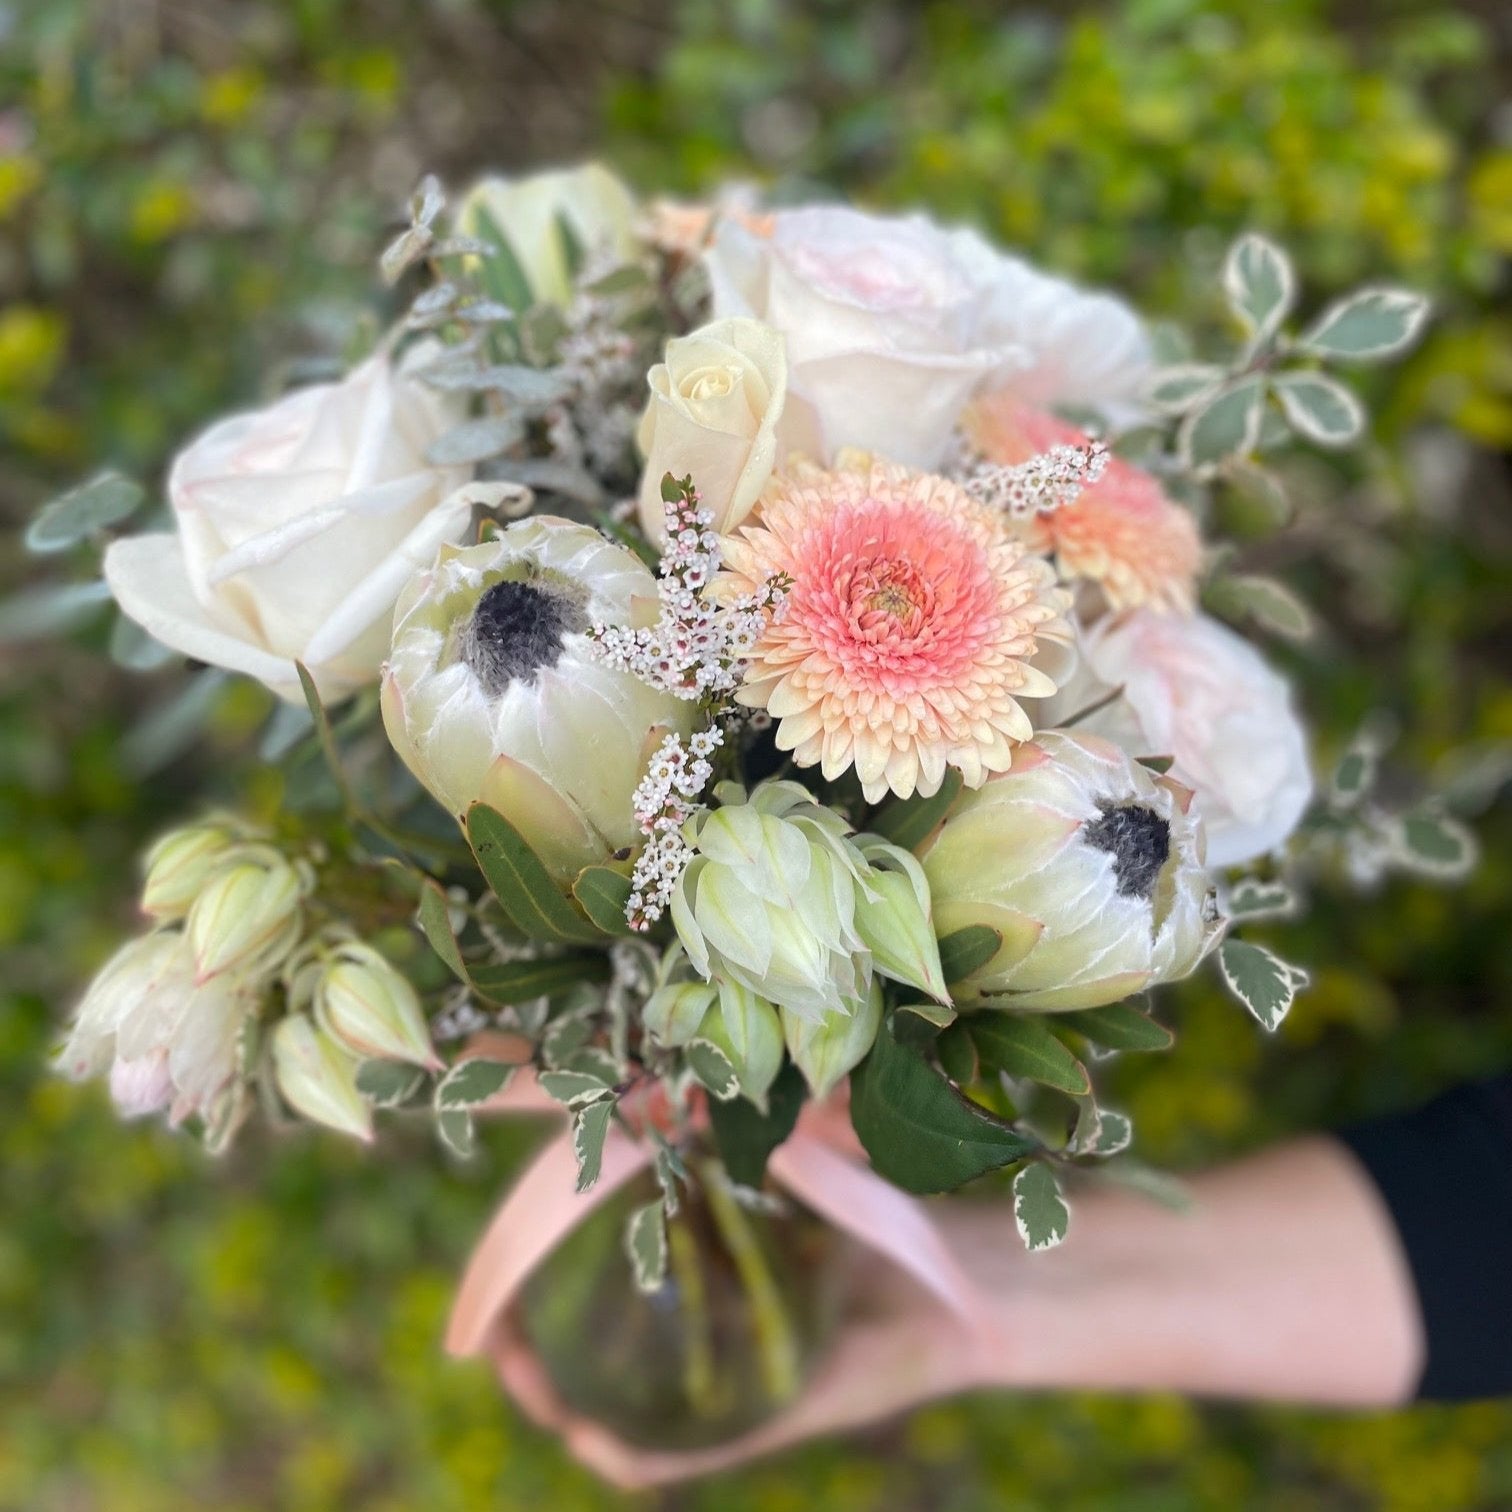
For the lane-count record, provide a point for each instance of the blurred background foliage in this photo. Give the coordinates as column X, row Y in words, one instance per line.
column 191, row 198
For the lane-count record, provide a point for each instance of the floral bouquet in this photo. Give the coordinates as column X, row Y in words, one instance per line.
column 759, row 650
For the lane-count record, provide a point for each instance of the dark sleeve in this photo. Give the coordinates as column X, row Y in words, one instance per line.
column 1445, row 1172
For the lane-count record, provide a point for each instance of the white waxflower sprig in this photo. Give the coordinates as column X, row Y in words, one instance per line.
column 669, row 795
column 1044, row 483
column 697, row 649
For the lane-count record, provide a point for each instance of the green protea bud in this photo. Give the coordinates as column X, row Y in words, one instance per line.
column 493, row 690
column 673, row 1014
column 178, row 866
column 749, row 1032
column 317, row 1078
column 371, row 1009
column 782, row 901
column 246, row 917
column 831, row 1049
column 1088, row 866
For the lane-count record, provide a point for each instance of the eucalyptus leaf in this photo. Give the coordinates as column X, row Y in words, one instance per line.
column 39, row 613
column 476, row 440
column 105, row 500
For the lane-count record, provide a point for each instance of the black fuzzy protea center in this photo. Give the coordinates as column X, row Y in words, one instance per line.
column 1138, row 840
column 516, row 629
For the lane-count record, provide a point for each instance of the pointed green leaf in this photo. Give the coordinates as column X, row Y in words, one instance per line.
column 500, row 272
column 713, row 1069
column 434, row 918
column 956, row 1052
column 908, row 821
column 747, row 1137
column 520, row 981
column 1025, row 1047
column 1039, row 1210
column 575, row 1089
column 603, row 892
column 1271, row 604
column 918, row 1130
column 521, row 882
column 1119, row 1026
column 455, row 1126
column 966, row 950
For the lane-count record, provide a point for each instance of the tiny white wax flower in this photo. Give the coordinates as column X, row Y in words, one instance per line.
column 317, row 1078
column 1087, row 865
column 494, row 692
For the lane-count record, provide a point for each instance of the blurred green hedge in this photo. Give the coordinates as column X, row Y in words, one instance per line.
column 191, row 197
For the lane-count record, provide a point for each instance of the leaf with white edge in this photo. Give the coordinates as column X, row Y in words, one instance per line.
column 1272, row 605
column 1260, row 284
column 388, row 1084
column 426, row 201
column 1100, row 1131
column 476, row 440
column 590, row 1128
column 471, row 1082
column 1253, row 898
column 1433, row 844
column 1320, row 408
column 1177, row 388
column 1353, row 777
column 713, row 1069
column 646, row 1244
column 104, row 500
column 1039, row 1210
column 404, row 252
column 1260, row 979
column 1227, row 425
column 574, row 1089
column 595, row 1060
column 1367, row 326
column 455, row 1126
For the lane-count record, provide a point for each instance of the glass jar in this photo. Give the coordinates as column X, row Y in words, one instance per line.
column 748, row 1305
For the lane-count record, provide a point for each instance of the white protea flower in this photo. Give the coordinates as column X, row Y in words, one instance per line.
column 493, row 690
column 1088, row 865
column 774, row 898
column 166, row 1041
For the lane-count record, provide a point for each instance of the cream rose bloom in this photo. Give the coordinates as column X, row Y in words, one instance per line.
column 297, row 527
column 715, row 405
column 893, row 323
column 1197, row 692
column 593, row 201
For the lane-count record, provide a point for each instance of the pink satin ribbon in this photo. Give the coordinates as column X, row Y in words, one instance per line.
column 820, row 1166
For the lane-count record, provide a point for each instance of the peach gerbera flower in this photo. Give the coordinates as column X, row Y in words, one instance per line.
column 907, row 637
column 1122, row 532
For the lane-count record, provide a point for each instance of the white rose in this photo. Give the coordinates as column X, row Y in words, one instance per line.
column 297, row 527
column 597, row 206
column 893, row 323
column 715, row 404
column 1197, row 692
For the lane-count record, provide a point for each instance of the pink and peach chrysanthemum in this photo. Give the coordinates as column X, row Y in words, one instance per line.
column 910, row 629
column 1121, row 532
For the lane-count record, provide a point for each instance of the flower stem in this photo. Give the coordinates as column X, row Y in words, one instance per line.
column 693, row 1302
column 772, row 1329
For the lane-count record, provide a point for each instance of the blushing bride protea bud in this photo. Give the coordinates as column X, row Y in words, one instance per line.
column 246, row 918
column 1089, row 866
column 178, row 866
column 773, row 900
column 317, row 1078
column 494, row 692
column 167, row 1042
column 371, row 1008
